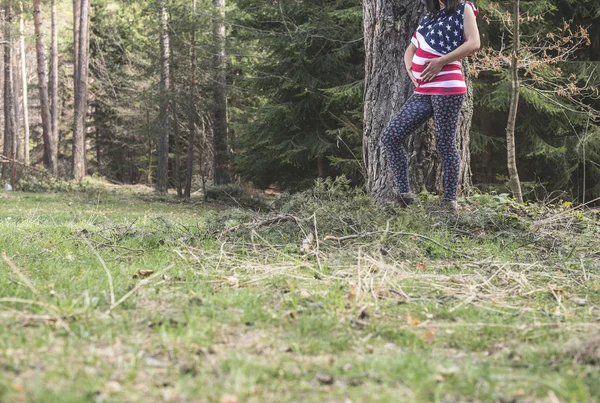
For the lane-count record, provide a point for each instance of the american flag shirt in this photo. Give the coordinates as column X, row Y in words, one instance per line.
column 436, row 36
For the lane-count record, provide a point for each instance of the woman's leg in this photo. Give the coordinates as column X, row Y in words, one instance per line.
column 446, row 111
column 415, row 111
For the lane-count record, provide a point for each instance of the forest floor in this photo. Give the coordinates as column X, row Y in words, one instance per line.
column 117, row 294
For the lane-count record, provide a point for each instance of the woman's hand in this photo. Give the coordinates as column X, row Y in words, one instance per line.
column 412, row 77
column 408, row 56
column 434, row 66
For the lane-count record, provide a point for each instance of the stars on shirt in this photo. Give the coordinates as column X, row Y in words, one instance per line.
column 443, row 32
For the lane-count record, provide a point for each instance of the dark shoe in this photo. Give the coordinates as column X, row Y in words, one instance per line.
column 445, row 210
column 405, row 199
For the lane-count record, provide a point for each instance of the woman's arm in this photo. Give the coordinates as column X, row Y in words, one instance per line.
column 470, row 46
column 408, row 56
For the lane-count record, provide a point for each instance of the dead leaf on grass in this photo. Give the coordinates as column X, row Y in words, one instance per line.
column 143, row 273
column 412, row 321
column 430, row 335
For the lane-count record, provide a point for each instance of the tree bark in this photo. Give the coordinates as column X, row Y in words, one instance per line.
column 17, row 143
column 464, row 135
column 193, row 111
column 25, row 103
column 53, row 84
column 221, row 157
column 76, row 12
column 388, row 27
column 513, row 173
column 165, row 87
column 80, row 101
column 176, row 150
column 49, row 145
column 10, row 124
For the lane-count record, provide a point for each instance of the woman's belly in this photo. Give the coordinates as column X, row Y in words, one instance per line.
column 450, row 72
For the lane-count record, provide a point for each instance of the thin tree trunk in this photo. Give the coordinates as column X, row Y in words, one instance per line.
column 76, row 12
column 176, row 151
column 9, row 105
column 221, row 158
column 513, row 173
column 49, row 145
column 165, row 86
column 17, row 143
column 25, row 101
column 388, row 27
column 53, row 84
column 81, row 93
column 193, row 111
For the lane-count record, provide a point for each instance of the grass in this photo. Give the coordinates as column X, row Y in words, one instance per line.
column 223, row 306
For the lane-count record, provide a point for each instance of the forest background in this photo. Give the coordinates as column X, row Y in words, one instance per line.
column 272, row 92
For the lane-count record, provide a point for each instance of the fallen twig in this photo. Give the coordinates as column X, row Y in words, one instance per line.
column 367, row 234
column 138, row 286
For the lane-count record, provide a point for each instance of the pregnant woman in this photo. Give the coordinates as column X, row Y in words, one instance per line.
column 433, row 60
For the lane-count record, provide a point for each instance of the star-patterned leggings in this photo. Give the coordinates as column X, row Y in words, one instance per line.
column 417, row 109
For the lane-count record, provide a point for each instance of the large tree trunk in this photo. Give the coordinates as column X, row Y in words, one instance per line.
column 53, row 84
column 193, row 112
column 221, row 158
column 513, row 173
column 80, row 101
column 49, row 145
column 165, row 86
column 24, row 86
column 388, row 27
column 465, row 180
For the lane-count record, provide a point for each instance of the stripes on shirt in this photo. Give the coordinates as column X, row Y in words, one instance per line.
column 449, row 81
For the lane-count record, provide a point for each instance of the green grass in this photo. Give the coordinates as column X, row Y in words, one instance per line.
column 494, row 303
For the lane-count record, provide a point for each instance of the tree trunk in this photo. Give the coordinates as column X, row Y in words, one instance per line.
column 165, row 86
column 176, row 152
column 53, row 84
column 388, row 27
column 80, row 99
column 17, row 143
column 465, row 179
column 49, row 145
column 76, row 12
column 25, row 103
column 221, row 158
column 10, row 124
column 193, row 112
column 515, row 183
